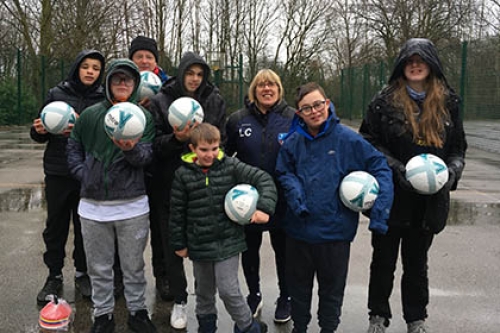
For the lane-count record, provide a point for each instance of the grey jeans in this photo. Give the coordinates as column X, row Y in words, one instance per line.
column 221, row 276
column 99, row 241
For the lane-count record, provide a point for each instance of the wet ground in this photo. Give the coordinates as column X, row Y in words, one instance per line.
column 464, row 259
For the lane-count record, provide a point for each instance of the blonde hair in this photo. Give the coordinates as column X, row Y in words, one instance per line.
column 429, row 129
column 204, row 132
column 264, row 75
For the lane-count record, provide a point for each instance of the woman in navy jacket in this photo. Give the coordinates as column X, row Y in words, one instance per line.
column 254, row 135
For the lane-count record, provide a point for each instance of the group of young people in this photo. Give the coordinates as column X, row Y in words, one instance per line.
column 170, row 185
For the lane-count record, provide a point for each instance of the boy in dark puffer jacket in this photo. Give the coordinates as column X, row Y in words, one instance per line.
column 200, row 229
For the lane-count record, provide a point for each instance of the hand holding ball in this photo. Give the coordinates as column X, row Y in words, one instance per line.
column 241, row 203
column 427, row 173
column 184, row 110
column 57, row 116
column 125, row 121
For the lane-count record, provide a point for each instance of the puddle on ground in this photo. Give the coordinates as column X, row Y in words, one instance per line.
column 22, row 199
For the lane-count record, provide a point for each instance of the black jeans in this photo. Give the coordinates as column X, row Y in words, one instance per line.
column 250, row 259
column 329, row 262
column 62, row 195
column 415, row 244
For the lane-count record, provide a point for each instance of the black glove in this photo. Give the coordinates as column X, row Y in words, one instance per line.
column 455, row 168
column 400, row 178
column 452, row 178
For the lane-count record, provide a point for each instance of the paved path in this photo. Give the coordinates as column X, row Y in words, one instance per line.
column 464, row 267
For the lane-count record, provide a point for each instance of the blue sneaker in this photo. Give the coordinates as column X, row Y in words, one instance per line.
column 283, row 310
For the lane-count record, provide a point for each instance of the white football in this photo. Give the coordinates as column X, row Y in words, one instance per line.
column 149, row 86
column 358, row 191
column 57, row 116
column 185, row 109
column 240, row 203
column 124, row 121
column 427, row 173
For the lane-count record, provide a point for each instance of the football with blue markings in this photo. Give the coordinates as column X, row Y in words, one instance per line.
column 149, row 86
column 183, row 110
column 124, row 121
column 57, row 116
column 241, row 202
column 427, row 173
column 358, row 191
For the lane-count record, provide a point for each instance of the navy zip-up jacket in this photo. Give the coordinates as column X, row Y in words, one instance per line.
column 255, row 138
column 310, row 169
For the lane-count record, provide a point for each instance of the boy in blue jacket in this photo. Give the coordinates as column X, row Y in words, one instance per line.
column 315, row 156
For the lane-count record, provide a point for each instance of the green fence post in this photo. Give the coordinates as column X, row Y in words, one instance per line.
column 240, row 81
column 365, row 88
column 342, row 91
column 42, row 77
column 19, row 86
column 463, row 75
column 382, row 75
column 351, row 87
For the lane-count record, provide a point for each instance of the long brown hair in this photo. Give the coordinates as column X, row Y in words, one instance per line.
column 429, row 129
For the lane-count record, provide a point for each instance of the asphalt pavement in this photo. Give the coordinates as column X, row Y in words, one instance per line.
column 464, row 259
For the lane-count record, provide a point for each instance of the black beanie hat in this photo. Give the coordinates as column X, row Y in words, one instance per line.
column 143, row 43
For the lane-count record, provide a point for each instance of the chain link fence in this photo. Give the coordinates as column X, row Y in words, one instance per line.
column 472, row 69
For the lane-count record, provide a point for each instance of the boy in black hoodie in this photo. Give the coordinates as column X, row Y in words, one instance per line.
column 82, row 88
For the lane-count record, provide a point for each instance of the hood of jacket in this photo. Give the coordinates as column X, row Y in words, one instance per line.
column 426, row 50
column 299, row 125
column 175, row 85
column 74, row 73
column 130, row 67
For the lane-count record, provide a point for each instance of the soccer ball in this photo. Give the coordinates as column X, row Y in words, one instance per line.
column 124, row 121
column 185, row 109
column 358, row 191
column 57, row 116
column 240, row 203
column 427, row 173
column 149, row 86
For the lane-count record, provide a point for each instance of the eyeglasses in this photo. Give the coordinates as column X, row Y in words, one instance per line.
column 307, row 110
column 117, row 80
column 266, row 83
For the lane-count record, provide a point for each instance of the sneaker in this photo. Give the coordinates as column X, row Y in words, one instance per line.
column 163, row 288
column 53, row 286
column 255, row 303
column 178, row 317
column 82, row 284
column 378, row 324
column 103, row 324
column 140, row 322
column 417, row 327
column 283, row 310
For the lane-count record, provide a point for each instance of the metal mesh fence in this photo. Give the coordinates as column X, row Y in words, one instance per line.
column 472, row 69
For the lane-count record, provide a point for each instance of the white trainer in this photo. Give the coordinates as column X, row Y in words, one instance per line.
column 178, row 317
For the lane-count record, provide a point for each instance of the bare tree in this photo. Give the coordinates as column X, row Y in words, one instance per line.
column 395, row 21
